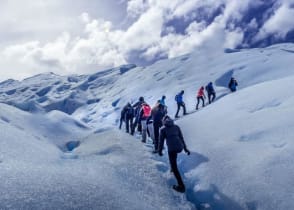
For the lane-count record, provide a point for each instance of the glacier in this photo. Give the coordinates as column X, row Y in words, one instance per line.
column 241, row 144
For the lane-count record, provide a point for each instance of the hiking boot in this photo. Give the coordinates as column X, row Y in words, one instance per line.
column 143, row 141
column 155, row 151
column 176, row 116
column 179, row 188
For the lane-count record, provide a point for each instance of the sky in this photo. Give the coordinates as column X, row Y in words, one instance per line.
column 86, row 36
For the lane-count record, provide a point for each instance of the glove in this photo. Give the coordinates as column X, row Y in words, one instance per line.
column 160, row 153
column 187, row 151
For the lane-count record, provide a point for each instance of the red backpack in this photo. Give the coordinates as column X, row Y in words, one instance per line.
column 146, row 110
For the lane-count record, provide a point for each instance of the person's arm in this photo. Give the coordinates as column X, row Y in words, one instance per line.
column 183, row 141
column 136, row 104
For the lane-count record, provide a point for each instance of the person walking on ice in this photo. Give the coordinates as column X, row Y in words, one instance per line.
column 145, row 114
column 127, row 115
column 137, row 107
column 200, row 96
column 233, row 84
column 175, row 144
column 157, row 114
column 180, row 103
column 210, row 92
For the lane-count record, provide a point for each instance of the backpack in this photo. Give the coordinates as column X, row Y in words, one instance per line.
column 177, row 97
column 207, row 88
column 146, row 110
column 130, row 112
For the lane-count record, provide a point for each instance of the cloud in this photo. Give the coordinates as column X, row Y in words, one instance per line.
column 136, row 7
column 155, row 30
column 280, row 23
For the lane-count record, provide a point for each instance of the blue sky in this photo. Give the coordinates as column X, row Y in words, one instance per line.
column 85, row 36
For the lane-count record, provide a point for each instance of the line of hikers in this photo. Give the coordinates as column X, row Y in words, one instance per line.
column 155, row 123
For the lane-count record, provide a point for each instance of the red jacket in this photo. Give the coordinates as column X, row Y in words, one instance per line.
column 201, row 93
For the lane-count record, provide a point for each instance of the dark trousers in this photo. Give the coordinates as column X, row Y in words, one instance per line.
column 173, row 163
column 198, row 101
column 156, row 135
column 211, row 97
column 121, row 122
column 137, row 122
column 129, row 124
column 179, row 106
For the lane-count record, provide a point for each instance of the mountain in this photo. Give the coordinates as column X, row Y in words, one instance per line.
column 241, row 144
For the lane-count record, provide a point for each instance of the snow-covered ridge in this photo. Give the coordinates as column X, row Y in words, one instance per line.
column 48, row 91
column 96, row 98
column 241, row 144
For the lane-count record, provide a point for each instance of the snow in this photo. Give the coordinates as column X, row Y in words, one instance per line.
column 39, row 175
column 241, row 145
column 250, row 155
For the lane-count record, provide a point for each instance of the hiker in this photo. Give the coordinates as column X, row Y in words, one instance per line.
column 233, row 84
column 200, row 96
column 210, row 92
column 137, row 107
column 145, row 113
column 127, row 115
column 180, row 103
column 162, row 100
column 175, row 144
column 157, row 115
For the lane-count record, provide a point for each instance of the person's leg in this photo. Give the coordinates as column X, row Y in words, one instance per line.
column 209, row 98
column 202, row 99
column 120, row 122
column 179, row 106
column 213, row 97
column 127, row 124
column 184, row 108
column 131, row 124
column 144, row 130
column 198, row 101
column 139, row 129
column 148, row 131
column 156, row 136
column 173, row 162
column 151, row 131
column 134, row 125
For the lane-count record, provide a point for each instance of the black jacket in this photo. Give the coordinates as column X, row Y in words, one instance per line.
column 127, row 112
column 174, row 137
column 157, row 115
column 137, row 107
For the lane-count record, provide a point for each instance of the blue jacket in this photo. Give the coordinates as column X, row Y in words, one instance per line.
column 209, row 88
column 179, row 98
column 162, row 102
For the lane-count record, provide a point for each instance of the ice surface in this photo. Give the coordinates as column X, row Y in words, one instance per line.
column 241, row 145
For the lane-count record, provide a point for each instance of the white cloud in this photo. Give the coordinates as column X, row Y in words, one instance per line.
column 96, row 43
column 280, row 23
column 234, row 38
column 143, row 33
column 136, row 7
